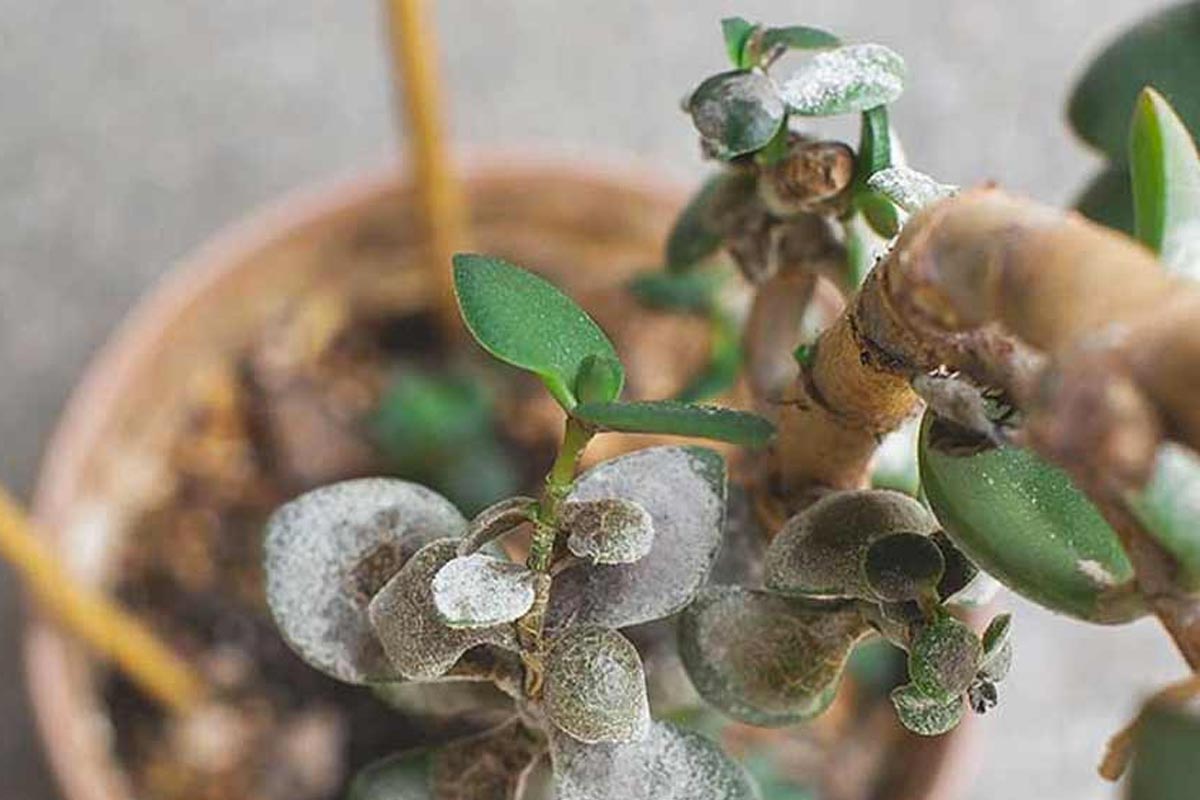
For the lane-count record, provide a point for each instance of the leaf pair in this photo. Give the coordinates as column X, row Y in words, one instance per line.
column 523, row 320
column 747, row 44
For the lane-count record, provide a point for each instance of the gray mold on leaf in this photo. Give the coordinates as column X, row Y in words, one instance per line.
column 820, row 551
column 926, row 715
column 329, row 551
column 420, row 645
column 596, row 687
column 478, row 591
column 608, row 531
column 944, row 658
column 495, row 521
column 903, row 566
column 909, row 189
column 668, row 764
column 847, row 80
column 737, row 112
column 488, row 766
column 763, row 658
column 683, row 490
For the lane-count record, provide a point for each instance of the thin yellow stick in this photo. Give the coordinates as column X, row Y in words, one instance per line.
column 413, row 41
column 98, row 621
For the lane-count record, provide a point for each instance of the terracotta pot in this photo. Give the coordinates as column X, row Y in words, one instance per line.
column 107, row 459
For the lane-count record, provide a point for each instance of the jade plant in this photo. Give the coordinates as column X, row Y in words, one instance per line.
column 997, row 391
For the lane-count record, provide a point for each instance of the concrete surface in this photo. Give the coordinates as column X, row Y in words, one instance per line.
column 132, row 130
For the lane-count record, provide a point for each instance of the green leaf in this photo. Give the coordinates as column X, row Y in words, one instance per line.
column 1024, row 522
column 847, row 80
column 1169, row 507
column 875, row 155
column 997, row 648
column 1163, row 51
column 422, row 413
column 737, row 32
column 479, row 590
column 1108, row 199
column 698, row 230
column 525, row 321
column 736, row 112
column 678, row 419
column 693, row 291
column 608, row 531
column 600, row 379
column 328, row 552
column 1165, row 748
column 903, row 566
column 944, row 657
column 763, row 658
column 909, row 189
column 596, row 687
column 926, row 715
column 1165, row 169
column 798, row 37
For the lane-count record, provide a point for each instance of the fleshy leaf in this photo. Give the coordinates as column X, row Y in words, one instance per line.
column 736, row 32
column 875, row 155
column 820, row 551
column 596, row 687
column 1169, row 507
column 609, row 531
column 763, row 658
column 944, row 657
column 737, row 112
column 1165, row 747
column 903, row 566
column 404, row 776
column 1108, row 199
column 523, row 320
column 797, row 37
column 1023, row 522
column 419, row 644
column 1165, row 169
column 668, row 764
column 997, row 648
column 924, row 715
column 495, row 521
column 909, row 189
column 679, row 419
column 600, row 379
column 478, row 591
column 847, row 80
column 683, row 490
column 487, row 766
column 329, row 551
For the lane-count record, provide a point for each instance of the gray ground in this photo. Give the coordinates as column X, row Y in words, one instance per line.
column 132, row 130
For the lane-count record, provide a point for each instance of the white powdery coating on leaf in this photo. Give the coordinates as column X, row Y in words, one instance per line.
column 328, row 551
column 479, row 590
column 609, row 531
column 848, row 79
column 668, row 764
column 683, row 490
column 909, row 189
column 495, row 521
column 596, row 686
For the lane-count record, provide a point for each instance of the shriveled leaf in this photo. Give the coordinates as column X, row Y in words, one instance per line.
column 846, row 80
column 495, row 521
column 329, row 551
column 737, row 32
column 596, row 687
column 600, row 379
column 924, row 715
column 1159, row 51
column 1165, row 169
column 737, row 112
column 997, row 648
column 763, row 658
column 1023, row 522
column 1169, row 508
column 700, row 227
column 609, row 531
column 404, row 776
column 797, row 37
column 1108, row 199
column 903, row 566
column 668, row 764
column 820, row 551
column 683, row 490
column 679, row 419
column 944, row 657
column 419, row 644
column 487, row 766
column 479, row 591
column 1165, row 747
column 525, row 321
column 909, row 189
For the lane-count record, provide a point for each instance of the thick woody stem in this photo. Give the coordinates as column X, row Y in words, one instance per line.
column 976, row 283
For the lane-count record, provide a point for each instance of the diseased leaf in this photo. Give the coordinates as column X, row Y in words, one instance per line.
column 944, row 657
column 763, row 658
column 487, row 766
column 797, row 37
column 700, row 227
column 1165, row 747
column 847, row 80
column 820, row 551
column 609, row 531
column 525, row 321
column 479, row 591
column 419, row 644
column 737, row 32
column 404, row 776
column 495, row 521
column 926, row 715
column 1165, row 169
column 1169, row 508
column 903, row 566
column 736, row 112
column 909, row 189
column 1024, row 522
column 596, row 687
column 446, row 700
column 997, row 648
column 329, row 551
column 679, row 419
column 668, row 764
column 683, row 490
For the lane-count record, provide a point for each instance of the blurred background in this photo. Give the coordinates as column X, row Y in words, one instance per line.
column 134, row 130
